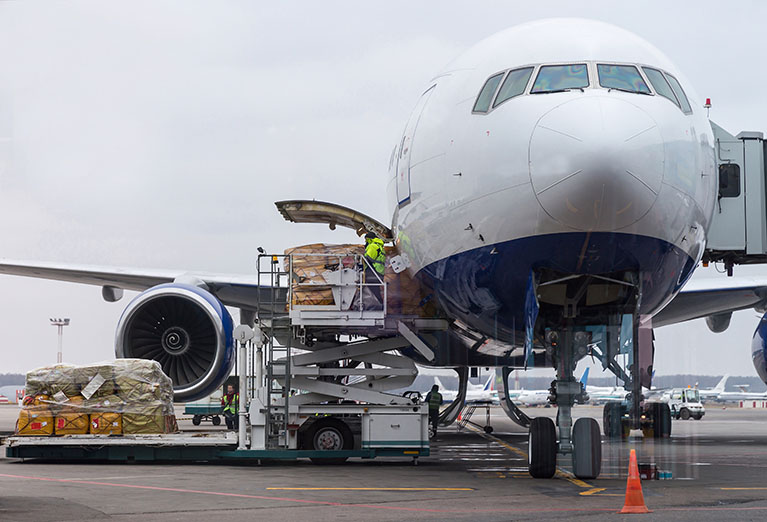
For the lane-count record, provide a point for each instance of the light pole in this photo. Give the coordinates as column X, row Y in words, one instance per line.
column 60, row 324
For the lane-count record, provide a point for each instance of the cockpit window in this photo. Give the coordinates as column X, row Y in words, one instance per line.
column 558, row 78
column 486, row 94
column 660, row 84
column 514, row 85
column 622, row 78
column 679, row 94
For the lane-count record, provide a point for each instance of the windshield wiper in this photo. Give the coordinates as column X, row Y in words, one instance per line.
column 559, row 90
column 628, row 90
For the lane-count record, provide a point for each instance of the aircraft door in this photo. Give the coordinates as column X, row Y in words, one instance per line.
column 405, row 149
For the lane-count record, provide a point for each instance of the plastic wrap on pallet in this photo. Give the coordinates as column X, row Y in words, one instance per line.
column 405, row 295
column 71, row 423
column 122, row 396
column 35, row 421
column 106, row 423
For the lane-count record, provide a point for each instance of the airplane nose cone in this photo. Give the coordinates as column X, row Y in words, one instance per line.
column 596, row 163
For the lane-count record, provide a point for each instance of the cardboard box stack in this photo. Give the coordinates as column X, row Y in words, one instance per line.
column 404, row 295
column 125, row 396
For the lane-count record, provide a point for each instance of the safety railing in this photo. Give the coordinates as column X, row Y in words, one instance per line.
column 327, row 285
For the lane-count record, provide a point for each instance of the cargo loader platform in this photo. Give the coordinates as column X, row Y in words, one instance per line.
column 191, row 446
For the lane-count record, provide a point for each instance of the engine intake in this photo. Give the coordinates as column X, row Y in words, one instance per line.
column 759, row 349
column 184, row 328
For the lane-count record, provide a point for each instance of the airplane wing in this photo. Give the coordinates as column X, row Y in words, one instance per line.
column 241, row 291
column 701, row 298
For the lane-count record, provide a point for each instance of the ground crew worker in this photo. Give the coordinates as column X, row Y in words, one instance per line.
column 434, row 398
column 231, row 402
column 375, row 255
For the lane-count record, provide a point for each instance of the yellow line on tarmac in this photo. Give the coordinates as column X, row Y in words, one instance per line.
column 375, row 489
column 592, row 491
column 559, row 473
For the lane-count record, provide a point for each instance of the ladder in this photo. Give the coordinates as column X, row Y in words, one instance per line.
column 276, row 329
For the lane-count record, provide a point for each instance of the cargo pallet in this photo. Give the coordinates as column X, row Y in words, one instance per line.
column 215, row 446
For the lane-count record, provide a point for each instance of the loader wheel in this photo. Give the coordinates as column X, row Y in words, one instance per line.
column 329, row 434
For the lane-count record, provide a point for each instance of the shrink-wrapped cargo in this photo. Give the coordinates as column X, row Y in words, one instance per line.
column 106, row 423
column 124, row 396
column 35, row 421
column 71, row 424
column 146, row 419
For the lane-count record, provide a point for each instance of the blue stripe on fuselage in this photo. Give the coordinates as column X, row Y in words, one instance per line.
column 485, row 287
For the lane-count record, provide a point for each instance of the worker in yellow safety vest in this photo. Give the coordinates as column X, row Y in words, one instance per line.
column 434, row 399
column 375, row 268
column 231, row 402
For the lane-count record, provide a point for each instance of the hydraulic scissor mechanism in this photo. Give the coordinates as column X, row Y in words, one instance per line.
column 579, row 316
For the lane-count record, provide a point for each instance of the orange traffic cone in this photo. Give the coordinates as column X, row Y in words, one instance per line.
column 634, row 498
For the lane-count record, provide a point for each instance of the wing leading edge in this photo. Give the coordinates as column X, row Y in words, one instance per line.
column 241, row 291
column 703, row 298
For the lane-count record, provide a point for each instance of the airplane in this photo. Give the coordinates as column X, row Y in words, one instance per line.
column 742, row 395
column 558, row 178
column 601, row 394
column 541, row 397
column 714, row 393
column 474, row 392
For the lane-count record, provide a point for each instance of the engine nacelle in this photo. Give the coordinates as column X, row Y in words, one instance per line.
column 718, row 323
column 184, row 328
column 759, row 349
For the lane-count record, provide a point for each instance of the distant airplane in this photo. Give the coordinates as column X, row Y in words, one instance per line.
column 541, row 397
column 713, row 394
column 474, row 392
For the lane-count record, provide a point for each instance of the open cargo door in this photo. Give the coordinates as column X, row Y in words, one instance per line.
column 310, row 211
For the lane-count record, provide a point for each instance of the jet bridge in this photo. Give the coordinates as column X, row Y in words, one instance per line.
column 738, row 231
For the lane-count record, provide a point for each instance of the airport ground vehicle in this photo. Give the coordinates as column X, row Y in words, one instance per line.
column 202, row 412
column 685, row 404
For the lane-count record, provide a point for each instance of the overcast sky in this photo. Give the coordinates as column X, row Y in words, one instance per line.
column 159, row 134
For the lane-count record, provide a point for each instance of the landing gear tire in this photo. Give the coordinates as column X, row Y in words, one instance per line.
column 587, row 449
column 658, row 425
column 661, row 420
column 329, row 434
column 196, row 420
column 685, row 414
column 216, row 420
column 612, row 420
column 488, row 429
column 542, row 448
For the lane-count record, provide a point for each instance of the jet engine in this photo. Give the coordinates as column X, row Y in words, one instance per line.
column 759, row 349
column 184, row 328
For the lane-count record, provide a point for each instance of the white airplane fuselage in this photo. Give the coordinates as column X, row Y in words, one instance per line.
column 591, row 180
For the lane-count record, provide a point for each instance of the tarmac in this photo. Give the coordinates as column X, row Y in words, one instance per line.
column 718, row 465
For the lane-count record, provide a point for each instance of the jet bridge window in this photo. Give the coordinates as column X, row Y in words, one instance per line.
column 486, row 94
column 729, row 180
column 660, row 84
column 559, row 78
column 514, row 85
column 622, row 78
column 679, row 94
